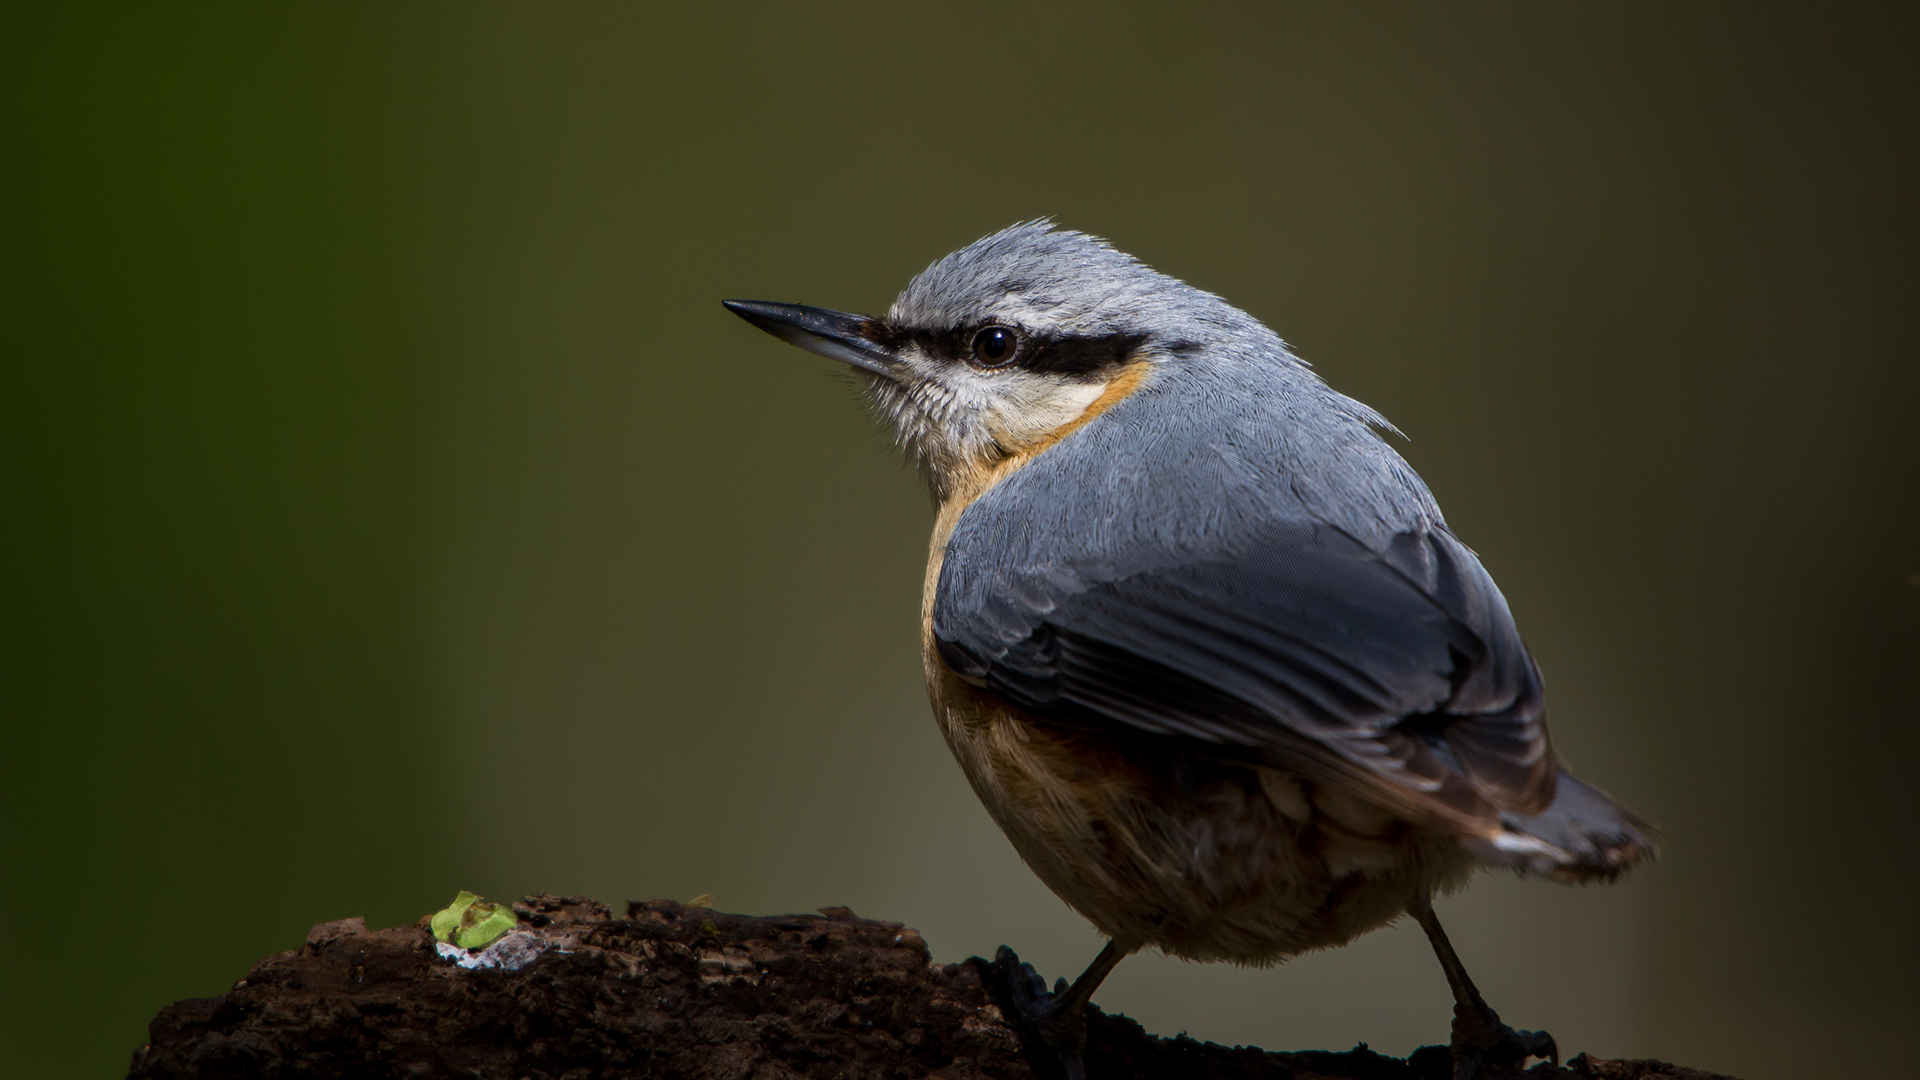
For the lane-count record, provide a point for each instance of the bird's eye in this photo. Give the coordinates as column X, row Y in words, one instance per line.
column 994, row 346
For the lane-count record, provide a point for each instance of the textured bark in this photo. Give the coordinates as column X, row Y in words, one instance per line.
column 675, row 991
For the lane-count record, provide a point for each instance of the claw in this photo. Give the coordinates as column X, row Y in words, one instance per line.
column 1052, row 1025
column 1539, row 1044
column 1480, row 1038
column 1043, row 1018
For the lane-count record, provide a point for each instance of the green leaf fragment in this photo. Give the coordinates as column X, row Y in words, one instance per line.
column 472, row 923
column 487, row 927
column 446, row 922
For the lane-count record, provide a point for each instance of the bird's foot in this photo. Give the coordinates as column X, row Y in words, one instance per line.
column 1480, row 1038
column 1051, row 1023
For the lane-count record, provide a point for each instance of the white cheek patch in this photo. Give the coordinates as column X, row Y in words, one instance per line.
column 1031, row 407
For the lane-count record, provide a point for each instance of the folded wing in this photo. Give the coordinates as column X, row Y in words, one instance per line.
column 1397, row 670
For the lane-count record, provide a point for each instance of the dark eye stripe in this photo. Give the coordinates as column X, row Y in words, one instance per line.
column 1075, row 357
column 1069, row 356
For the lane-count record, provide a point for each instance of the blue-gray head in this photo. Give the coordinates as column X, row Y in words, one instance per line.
column 1003, row 347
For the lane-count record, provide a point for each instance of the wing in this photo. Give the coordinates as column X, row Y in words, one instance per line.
column 1396, row 667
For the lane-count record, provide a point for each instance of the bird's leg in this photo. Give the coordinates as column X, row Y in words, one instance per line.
column 1056, row 1019
column 1478, row 1034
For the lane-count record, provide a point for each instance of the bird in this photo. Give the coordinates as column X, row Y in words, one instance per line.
column 1198, row 636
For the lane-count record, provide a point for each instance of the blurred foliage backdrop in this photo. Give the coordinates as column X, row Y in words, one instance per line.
column 391, row 508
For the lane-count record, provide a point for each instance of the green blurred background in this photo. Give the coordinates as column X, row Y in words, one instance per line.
column 392, row 509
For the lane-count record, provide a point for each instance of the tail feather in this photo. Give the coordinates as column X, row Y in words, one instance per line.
column 1583, row 836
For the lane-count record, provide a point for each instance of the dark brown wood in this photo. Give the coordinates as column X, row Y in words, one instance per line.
column 677, row 991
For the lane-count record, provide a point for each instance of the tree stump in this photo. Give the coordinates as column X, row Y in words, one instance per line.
column 678, row 991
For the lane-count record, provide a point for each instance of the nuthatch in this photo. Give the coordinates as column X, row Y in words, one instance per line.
column 1198, row 637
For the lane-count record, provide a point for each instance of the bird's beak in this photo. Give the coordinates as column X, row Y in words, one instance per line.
column 833, row 334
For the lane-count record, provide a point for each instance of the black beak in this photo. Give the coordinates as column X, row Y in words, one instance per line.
column 833, row 334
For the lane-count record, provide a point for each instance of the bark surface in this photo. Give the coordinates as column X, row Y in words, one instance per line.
column 677, row 991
